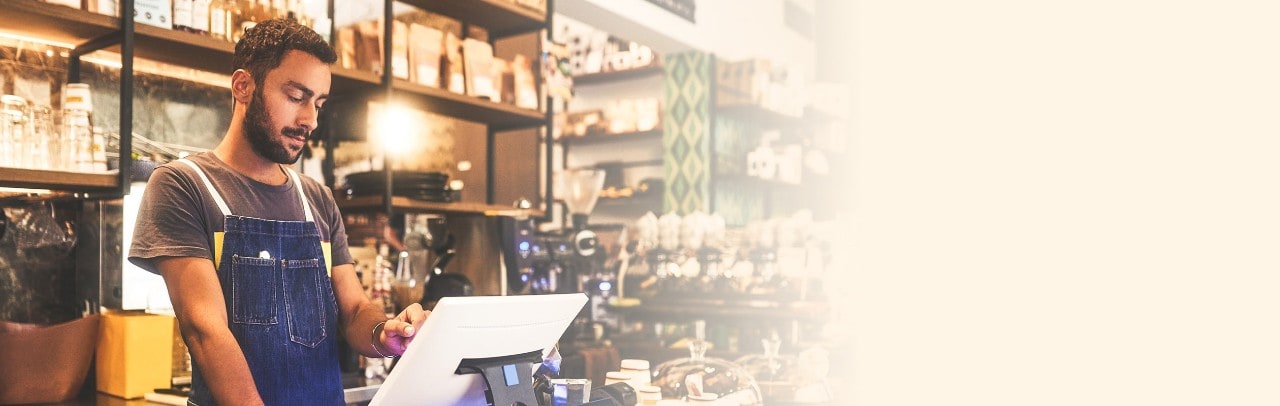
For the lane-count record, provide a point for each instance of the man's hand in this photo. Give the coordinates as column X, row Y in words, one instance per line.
column 397, row 333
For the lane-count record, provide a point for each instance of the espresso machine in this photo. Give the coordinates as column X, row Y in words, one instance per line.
column 566, row 260
column 559, row 261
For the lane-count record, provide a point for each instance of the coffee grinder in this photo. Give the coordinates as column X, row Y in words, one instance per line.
column 574, row 247
column 584, row 259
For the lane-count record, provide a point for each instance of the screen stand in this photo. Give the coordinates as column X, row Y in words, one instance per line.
column 509, row 378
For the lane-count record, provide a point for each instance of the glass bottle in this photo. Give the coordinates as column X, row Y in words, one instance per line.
column 200, row 16
column 262, row 12
column 241, row 12
column 279, row 9
column 182, row 15
column 219, row 19
column 382, row 280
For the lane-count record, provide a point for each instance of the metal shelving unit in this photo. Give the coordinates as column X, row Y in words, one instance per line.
column 85, row 32
column 501, row 19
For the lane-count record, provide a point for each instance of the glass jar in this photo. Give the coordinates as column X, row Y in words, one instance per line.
column 76, row 153
column 638, row 370
column 43, row 136
column 77, row 141
column 14, row 113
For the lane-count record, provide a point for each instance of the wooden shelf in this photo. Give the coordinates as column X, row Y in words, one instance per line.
column 35, row 19
column 183, row 49
column 72, row 27
column 651, row 135
column 53, row 23
column 498, row 116
column 407, row 205
column 56, row 180
column 502, row 18
column 353, row 82
column 616, row 76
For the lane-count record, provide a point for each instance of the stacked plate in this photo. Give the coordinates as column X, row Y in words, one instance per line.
column 427, row 186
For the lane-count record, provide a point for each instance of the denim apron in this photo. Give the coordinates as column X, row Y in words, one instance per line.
column 280, row 305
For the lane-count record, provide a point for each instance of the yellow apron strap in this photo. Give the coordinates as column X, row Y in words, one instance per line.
column 217, row 249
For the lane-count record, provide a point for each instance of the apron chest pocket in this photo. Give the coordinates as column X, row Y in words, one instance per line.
column 253, row 290
column 304, row 300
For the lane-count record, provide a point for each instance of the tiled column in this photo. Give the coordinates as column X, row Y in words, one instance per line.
column 686, row 137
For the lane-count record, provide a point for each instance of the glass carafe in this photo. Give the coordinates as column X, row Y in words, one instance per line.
column 405, row 289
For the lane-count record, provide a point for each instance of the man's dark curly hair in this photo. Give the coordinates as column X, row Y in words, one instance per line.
column 263, row 47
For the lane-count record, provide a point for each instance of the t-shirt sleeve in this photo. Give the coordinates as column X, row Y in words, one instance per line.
column 171, row 221
column 337, row 231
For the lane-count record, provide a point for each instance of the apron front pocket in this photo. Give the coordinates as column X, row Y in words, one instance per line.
column 253, row 290
column 304, row 282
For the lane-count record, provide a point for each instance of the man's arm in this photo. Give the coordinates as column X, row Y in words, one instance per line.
column 360, row 316
column 202, row 316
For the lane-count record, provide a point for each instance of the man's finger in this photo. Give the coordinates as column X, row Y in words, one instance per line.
column 400, row 328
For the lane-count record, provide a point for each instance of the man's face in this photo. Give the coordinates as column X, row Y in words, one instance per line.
column 285, row 107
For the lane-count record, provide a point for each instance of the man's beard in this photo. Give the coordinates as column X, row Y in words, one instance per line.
column 257, row 127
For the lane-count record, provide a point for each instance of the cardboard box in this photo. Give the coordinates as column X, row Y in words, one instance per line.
column 104, row 7
column 134, row 354
column 369, row 47
column 526, row 89
column 453, row 78
column 346, row 48
column 68, row 3
column 478, row 58
column 154, row 12
column 400, row 49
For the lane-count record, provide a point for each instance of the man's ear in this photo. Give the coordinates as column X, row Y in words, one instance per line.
column 242, row 86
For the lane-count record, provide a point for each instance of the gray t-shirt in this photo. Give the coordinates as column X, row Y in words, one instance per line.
column 178, row 216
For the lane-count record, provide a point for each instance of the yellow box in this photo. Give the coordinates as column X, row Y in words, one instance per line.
column 134, row 353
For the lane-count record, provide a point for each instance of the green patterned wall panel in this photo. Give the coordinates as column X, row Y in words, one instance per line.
column 686, row 132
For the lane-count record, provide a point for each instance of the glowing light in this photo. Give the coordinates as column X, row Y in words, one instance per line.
column 394, row 129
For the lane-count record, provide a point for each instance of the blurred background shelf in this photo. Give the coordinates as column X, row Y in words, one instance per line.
column 407, row 205
column 651, row 135
column 502, row 18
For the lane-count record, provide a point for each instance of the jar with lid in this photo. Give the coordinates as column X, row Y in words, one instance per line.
column 613, row 377
column 14, row 114
column 648, row 395
column 638, row 370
